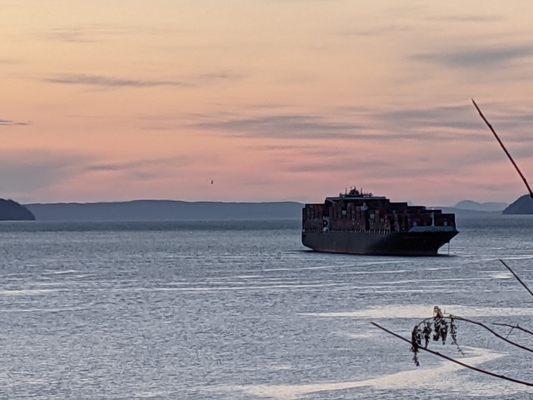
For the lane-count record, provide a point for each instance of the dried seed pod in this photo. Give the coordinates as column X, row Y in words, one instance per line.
column 416, row 341
column 453, row 334
column 436, row 328
column 427, row 334
column 443, row 331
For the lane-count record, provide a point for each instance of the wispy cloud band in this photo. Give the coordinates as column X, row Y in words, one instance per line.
column 474, row 57
column 8, row 122
column 102, row 81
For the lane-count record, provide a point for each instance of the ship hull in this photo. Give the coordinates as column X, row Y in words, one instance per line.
column 378, row 243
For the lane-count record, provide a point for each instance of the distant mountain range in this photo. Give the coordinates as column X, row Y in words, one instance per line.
column 164, row 210
column 475, row 206
column 169, row 210
column 523, row 205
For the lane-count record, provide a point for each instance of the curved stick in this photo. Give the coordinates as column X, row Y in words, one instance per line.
column 517, row 277
column 504, row 148
column 493, row 332
column 514, row 327
column 435, row 353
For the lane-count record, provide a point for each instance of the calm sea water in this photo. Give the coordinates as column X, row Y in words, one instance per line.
column 239, row 310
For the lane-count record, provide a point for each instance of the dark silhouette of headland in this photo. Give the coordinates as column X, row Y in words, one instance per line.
column 12, row 211
column 523, row 205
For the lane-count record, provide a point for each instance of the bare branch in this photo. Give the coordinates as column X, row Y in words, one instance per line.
column 504, row 149
column 493, row 332
column 458, row 318
column 514, row 327
column 435, row 353
column 517, row 278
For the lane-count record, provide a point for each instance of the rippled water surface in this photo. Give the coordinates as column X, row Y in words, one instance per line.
column 240, row 310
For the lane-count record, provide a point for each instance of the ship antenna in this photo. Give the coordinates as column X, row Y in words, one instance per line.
column 504, row 148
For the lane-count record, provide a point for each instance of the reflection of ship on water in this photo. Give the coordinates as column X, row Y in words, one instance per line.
column 360, row 223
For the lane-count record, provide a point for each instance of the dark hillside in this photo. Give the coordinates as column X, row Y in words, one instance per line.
column 12, row 211
column 523, row 205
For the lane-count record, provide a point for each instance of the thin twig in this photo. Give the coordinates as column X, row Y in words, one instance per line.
column 513, row 326
column 493, row 332
column 517, row 278
column 504, row 148
column 510, row 331
column 435, row 353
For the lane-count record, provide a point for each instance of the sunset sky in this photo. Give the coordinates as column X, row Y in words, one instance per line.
column 270, row 99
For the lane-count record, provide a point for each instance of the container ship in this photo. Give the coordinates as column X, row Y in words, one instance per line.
column 361, row 223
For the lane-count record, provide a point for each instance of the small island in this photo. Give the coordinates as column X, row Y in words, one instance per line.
column 523, row 205
column 12, row 211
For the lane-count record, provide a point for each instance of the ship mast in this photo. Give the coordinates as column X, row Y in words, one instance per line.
column 504, row 149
